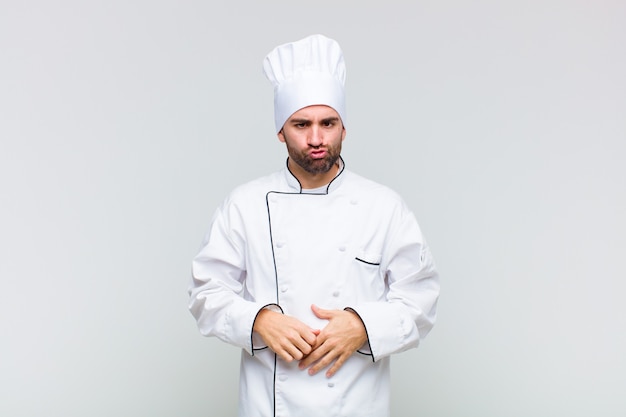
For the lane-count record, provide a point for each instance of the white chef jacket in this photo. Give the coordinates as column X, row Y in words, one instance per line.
column 356, row 246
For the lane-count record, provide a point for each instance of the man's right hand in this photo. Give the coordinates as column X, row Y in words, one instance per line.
column 287, row 336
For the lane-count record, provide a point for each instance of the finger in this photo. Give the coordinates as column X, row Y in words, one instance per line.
column 284, row 355
column 319, row 340
column 304, row 347
column 327, row 355
column 321, row 313
column 337, row 365
column 323, row 363
column 293, row 349
column 314, row 356
column 310, row 337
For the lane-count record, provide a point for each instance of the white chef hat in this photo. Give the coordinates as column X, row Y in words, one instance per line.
column 304, row 73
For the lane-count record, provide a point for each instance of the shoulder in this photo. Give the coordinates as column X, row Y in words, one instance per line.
column 367, row 188
column 254, row 190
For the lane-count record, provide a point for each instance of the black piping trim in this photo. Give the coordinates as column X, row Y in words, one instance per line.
column 366, row 334
column 366, row 262
column 269, row 223
column 343, row 167
column 293, row 175
column 274, row 385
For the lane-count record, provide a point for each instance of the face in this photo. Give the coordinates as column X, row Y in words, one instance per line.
column 313, row 136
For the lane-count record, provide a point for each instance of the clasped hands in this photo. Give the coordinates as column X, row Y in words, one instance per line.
column 316, row 349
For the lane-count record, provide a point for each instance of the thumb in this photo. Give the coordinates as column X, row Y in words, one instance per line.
column 320, row 313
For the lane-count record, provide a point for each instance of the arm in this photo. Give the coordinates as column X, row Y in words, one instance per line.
column 216, row 301
column 218, row 274
column 391, row 325
column 409, row 311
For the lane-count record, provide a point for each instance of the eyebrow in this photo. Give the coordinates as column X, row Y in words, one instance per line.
column 325, row 120
column 298, row 121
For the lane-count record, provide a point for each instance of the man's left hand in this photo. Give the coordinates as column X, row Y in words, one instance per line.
column 341, row 337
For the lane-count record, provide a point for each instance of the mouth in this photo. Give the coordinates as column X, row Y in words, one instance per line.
column 318, row 153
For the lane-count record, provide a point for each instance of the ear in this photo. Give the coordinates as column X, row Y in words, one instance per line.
column 343, row 134
column 281, row 136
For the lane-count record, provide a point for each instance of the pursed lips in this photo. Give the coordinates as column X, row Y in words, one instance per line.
column 317, row 153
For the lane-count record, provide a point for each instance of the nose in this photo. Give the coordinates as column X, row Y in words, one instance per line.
column 315, row 136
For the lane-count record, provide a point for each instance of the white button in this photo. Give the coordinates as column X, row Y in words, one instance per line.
column 353, row 202
column 330, row 385
column 342, row 248
column 279, row 244
column 282, row 377
column 284, row 288
column 336, row 294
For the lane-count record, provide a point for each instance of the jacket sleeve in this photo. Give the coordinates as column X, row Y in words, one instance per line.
column 217, row 287
column 400, row 321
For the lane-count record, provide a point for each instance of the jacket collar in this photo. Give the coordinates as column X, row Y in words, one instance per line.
column 295, row 186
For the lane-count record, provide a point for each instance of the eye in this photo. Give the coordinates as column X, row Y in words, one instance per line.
column 329, row 123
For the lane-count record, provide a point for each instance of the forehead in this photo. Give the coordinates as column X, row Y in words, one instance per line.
column 315, row 112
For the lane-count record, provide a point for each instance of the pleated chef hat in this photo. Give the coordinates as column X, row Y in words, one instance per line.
column 304, row 73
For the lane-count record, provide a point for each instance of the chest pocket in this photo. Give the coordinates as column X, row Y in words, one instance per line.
column 369, row 258
column 367, row 277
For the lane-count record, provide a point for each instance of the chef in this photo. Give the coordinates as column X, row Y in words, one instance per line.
column 316, row 273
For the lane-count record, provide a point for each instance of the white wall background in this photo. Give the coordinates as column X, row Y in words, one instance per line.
column 124, row 123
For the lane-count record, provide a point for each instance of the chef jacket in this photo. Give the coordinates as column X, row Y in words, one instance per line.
column 355, row 246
